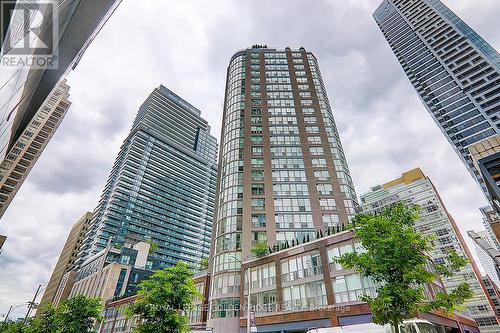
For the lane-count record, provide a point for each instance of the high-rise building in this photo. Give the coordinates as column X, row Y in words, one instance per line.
column 29, row 146
column 488, row 254
column 486, row 157
column 162, row 185
column 66, row 260
column 456, row 72
column 493, row 292
column 68, row 29
column 414, row 188
column 282, row 170
column 491, row 222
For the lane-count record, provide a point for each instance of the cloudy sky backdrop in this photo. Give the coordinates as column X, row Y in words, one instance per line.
column 186, row 45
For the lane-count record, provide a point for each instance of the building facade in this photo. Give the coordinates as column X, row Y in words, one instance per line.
column 488, row 254
column 414, row 188
column 493, row 292
column 283, row 174
column 29, row 146
column 66, row 262
column 302, row 287
column 162, row 185
column 486, row 158
column 116, row 320
column 114, row 272
column 25, row 88
column 456, row 72
column 491, row 222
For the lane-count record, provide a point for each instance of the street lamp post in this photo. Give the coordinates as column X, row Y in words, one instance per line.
column 247, row 274
column 11, row 308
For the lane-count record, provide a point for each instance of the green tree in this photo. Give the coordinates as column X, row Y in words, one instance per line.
column 394, row 256
column 153, row 246
column 204, row 263
column 260, row 249
column 79, row 314
column 11, row 327
column 75, row 315
column 162, row 300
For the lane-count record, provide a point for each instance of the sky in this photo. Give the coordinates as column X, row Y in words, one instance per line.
column 186, row 46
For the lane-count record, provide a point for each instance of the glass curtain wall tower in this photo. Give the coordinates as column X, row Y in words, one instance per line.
column 455, row 72
column 282, row 170
column 162, row 185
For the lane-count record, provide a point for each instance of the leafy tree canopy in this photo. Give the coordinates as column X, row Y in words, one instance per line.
column 260, row 249
column 75, row 315
column 163, row 299
column 394, row 256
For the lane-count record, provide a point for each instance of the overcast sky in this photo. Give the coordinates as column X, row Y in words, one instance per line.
column 186, row 46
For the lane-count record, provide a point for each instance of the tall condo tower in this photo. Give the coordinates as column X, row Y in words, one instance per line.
column 27, row 87
column 282, row 170
column 16, row 166
column 414, row 188
column 162, row 185
column 456, row 72
column 65, row 263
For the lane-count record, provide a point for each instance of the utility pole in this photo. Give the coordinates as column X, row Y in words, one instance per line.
column 31, row 303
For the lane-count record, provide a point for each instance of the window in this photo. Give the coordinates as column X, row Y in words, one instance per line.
column 259, row 220
column 258, row 236
column 226, row 283
column 294, row 221
column 324, row 189
column 409, row 328
column 347, row 288
column 312, row 129
column 289, row 175
column 264, row 302
column 331, row 220
column 256, row 129
column 225, row 307
column 257, row 151
column 335, row 253
column 290, row 189
column 287, row 163
column 317, row 151
column 301, row 266
column 327, row 204
column 258, row 204
column 322, row 175
column 257, row 175
column 319, row 162
column 257, row 162
column 292, row 205
column 425, row 328
column 314, row 139
column 256, row 139
column 257, row 120
column 304, row 296
column 262, row 276
column 125, row 260
column 257, row 189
